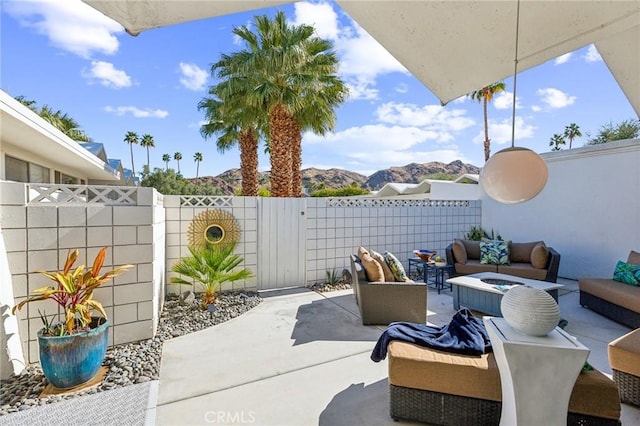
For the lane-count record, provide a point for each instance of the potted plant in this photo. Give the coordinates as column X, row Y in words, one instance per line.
column 439, row 261
column 210, row 266
column 71, row 352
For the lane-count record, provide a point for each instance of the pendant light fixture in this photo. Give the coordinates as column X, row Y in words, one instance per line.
column 514, row 175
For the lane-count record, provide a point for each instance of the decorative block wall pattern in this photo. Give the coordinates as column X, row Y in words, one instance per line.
column 38, row 234
column 336, row 227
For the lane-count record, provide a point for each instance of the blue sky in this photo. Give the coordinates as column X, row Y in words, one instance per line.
column 67, row 55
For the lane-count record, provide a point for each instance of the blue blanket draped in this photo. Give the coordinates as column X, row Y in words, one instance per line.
column 465, row 335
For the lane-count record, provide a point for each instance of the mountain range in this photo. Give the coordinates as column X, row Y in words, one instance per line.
column 230, row 180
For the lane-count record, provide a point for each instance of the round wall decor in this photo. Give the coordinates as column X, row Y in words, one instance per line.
column 215, row 227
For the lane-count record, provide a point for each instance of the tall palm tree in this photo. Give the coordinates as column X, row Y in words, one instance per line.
column 178, row 156
column 485, row 95
column 235, row 121
column 147, row 142
column 283, row 66
column 131, row 138
column 197, row 157
column 572, row 131
column 166, row 158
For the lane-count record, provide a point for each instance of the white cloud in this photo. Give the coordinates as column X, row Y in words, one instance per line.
column 107, row 75
column 536, row 108
column 375, row 147
column 504, row 100
column 500, row 132
column 70, row 25
column 137, row 112
column 362, row 59
column 592, row 54
column 563, row 59
column 432, row 117
column 402, row 88
column 193, row 77
column 555, row 98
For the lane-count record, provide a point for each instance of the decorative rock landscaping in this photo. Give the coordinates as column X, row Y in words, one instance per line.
column 133, row 362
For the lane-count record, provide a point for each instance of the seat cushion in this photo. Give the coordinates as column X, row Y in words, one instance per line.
column 539, row 255
column 472, row 248
column 524, row 270
column 388, row 275
column 594, row 394
column 473, row 267
column 459, row 252
column 627, row 296
column 624, row 353
column 418, row 368
column 372, row 268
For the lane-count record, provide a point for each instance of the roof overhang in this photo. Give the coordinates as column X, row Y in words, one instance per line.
column 453, row 47
column 27, row 131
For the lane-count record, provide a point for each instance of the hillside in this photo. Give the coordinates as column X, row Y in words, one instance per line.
column 230, row 180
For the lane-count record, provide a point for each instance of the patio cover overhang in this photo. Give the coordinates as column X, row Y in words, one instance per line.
column 453, row 47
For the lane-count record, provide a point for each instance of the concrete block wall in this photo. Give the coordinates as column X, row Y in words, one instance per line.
column 38, row 236
column 180, row 210
column 337, row 227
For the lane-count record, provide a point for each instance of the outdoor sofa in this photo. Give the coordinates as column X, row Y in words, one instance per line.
column 382, row 303
column 442, row 388
column 534, row 260
column 613, row 299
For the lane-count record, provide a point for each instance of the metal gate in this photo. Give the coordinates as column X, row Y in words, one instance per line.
column 281, row 243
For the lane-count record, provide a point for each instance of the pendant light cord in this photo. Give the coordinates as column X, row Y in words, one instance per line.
column 515, row 77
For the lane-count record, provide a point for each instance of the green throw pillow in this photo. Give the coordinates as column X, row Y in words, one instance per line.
column 627, row 273
column 494, row 252
column 396, row 267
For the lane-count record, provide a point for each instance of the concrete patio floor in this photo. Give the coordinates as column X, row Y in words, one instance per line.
column 302, row 358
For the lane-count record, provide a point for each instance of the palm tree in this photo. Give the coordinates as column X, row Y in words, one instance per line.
column 234, row 121
column 572, row 131
column 556, row 141
column 197, row 158
column 58, row 119
column 485, row 95
column 131, row 138
column 177, row 156
column 210, row 267
column 147, row 142
column 282, row 69
column 166, row 158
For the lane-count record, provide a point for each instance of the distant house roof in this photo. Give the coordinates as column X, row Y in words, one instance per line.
column 96, row 149
column 115, row 163
column 463, row 187
column 128, row 176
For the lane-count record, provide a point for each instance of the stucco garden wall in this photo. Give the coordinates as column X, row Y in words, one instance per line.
column 589, row 210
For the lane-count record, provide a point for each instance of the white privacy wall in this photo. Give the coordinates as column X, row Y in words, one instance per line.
column 336, row 227
column 589, row 210
column 39, row 231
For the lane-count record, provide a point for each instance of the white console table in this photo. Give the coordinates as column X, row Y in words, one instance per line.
column 537, row 373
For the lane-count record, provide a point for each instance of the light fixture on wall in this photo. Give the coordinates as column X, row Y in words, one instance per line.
column 514, row 174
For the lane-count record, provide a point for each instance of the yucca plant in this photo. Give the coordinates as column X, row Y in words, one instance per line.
column 210, row 267
column 73, row 292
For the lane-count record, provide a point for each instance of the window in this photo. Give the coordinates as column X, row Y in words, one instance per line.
column 16, row 170
column 23, row 171
column 66, row 179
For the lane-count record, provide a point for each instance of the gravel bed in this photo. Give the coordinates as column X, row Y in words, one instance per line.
column 131, row 363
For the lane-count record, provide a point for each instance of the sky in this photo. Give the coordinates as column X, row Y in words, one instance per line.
column 68, row 56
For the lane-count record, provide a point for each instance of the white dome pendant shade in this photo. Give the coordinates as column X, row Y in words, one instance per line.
column 514, row 175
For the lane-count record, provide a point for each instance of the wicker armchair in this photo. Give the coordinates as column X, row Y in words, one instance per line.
column 381, row 303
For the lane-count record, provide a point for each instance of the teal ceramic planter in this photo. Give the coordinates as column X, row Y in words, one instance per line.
column 69, row 361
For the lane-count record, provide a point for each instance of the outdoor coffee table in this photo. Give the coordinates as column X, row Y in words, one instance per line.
column 483, row 292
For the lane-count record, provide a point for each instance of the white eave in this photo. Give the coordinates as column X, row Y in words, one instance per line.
column 23, row 128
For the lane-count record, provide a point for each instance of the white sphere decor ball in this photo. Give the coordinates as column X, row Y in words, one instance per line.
column 530, row 310
column 514, row 175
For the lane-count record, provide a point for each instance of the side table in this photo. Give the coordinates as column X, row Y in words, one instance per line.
column 537, row 373
column 432, row 274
